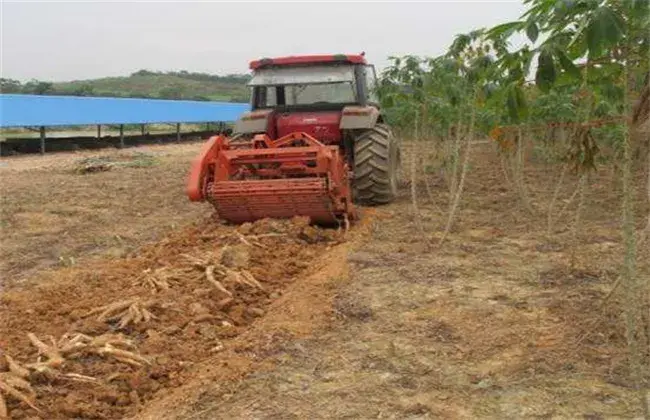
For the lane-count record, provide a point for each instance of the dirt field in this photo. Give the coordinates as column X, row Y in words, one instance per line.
column 51, row 216
column 501, row 322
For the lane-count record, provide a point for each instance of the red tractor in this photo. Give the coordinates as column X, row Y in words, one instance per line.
column 314, row 143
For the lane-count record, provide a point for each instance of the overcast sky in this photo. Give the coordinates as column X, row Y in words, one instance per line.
column 73, row 40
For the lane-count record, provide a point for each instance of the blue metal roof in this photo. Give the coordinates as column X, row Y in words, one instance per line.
column 37, row 110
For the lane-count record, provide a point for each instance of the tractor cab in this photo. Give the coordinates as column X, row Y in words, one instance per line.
column 329, row 82
column 311, row 94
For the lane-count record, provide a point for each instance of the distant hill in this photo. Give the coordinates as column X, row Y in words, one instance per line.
column 144, row 84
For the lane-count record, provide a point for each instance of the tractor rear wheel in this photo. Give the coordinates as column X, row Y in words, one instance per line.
column 377, row 161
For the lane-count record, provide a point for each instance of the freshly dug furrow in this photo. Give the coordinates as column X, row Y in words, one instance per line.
column 101, row 340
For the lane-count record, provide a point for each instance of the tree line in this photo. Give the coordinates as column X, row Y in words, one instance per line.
column 173, row 91
column 236, row 79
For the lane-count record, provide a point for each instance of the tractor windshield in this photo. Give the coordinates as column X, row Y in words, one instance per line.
column 333, row 93
column 308, row 85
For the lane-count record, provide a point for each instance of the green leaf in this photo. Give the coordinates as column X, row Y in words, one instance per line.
column 640, row 6
column 511, row 104
column 389, row 100
column 526, row 60
column 605, row 29
column 504, row 29
column 516, row 103
column 567, row 64
column 522, row 105
column 541, row 8
column 578, row 36
column 546, row 72
column 532, row 31
column 476, row 34
column 515, row 72
column 460, row 43
column 612, row 92
column 489, row 90
column 577, row 49
column 564, row 8
column 565, row 4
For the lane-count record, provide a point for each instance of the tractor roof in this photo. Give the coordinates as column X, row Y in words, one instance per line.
column 308, row 59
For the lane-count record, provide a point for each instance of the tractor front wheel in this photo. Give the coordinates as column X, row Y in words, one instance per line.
column 377, row 161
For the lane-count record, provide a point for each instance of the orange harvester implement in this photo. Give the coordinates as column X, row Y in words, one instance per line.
column 295, row 175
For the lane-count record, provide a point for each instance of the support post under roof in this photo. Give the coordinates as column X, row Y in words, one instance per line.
column 42, row 130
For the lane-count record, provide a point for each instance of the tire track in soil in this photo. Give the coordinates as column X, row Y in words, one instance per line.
column 191, row 320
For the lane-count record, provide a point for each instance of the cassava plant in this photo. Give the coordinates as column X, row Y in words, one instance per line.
column 581, row 80
column 602, row 46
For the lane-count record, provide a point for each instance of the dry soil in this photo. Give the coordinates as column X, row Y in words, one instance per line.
column 502, row 321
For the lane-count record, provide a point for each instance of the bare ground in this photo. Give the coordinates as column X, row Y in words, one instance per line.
column 501, row 322
column 51, row 216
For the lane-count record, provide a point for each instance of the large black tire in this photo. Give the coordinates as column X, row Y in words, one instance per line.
column 377, row 161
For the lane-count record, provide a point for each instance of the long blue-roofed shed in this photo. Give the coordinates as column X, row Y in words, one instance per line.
column 49, row 111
